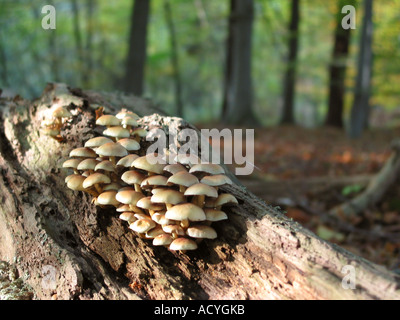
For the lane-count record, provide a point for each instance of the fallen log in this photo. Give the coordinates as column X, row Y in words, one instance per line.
column 64, row 247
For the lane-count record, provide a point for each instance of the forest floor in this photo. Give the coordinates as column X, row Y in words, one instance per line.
column 308, row 171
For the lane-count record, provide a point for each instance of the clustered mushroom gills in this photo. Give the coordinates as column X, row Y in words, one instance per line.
column 172, row 204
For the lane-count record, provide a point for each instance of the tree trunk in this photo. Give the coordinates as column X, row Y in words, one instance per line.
column 337, row 72
column 136, row 59
column 360, row 109
column 238, row 96
column 174, row 58
column 290, row 75
column 70, row 249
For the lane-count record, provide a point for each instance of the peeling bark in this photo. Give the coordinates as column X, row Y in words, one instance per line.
column 259, row 254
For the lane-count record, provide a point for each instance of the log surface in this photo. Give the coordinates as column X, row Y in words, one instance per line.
column 259, row 253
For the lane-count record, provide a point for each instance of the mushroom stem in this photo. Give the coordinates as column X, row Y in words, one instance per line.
column 169, row 206
column 138, row 188
column 199, row 200
column 112, row 159
column 182, row 189
column 185, row 223
column 98, row 188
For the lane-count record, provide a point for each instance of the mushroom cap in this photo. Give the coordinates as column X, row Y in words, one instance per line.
column 145, row 163
column 116, row 132
column 126, row 113
column 201, row 189
column 105, row 165
column 112, row 186
column 108, row 198
column 67, row 178
column 162, row 240
column 174, row 168
column 146, row 203
column 215, row 215
column 160, row 218
column 127, row 160
column 129, row 196
column 71, row 163
column 127, row 216
column 83, row 152
column 96, row 178
column 123, row 208
column 156, row 180
column 225, row 198
column 183, row 244
column 112, row 149
column 76, row 182
column 129, row 144
column 173, row 228
column 128, row 121
column 186, row 211
column 183, row 178
column 50, row 132
column 87, row 164
column 61, row 112
column 156, row 231
column 97, row 142
column 132, row 177
column 140, row 132
column 168, row 196
column 142, row 225
column 201, row 231
column 108, row 120
column 210, row 168
column 216, row 180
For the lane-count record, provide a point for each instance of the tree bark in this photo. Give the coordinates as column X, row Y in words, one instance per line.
column 136, row 58
column 237, row 104
column 360, row 109
column 290, row 75
column 337, row 72
column 259, row 253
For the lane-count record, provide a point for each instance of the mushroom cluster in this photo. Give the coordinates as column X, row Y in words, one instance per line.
column 53, row 124
column 171, row 204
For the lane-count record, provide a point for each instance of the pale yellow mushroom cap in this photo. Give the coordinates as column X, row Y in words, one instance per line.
column 71, row 163
column 111, row 149
column 168, row 196
column 108, row 198
column 174, row 168
column 162, row 240
column 108, row 120
column 216, row 180
column 186, row 211
column 97, row 142
column 105, row 165
column 209, row 168
column 87, row 164
column 61, row 112
column 83, row 152
column 142, row 225
column 129, row 121
column 225, row 198
column 144, row 163
column 152, row 181
column 75, row 182
column 96, row 178
column 116, row 132
column 127, row 160
column 215, row 215
column 201, row 189
column 183, row 244
column 132, row 177
column 129, row 196
column 146, row 203
column 183, row 178
column 201, row 231
column 129, row 144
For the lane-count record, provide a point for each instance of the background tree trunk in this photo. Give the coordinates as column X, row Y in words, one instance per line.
column 238, row 96
column 360, row 109
column 259, row 253
column 289, row 84
column 337, row 71
column 136, row 59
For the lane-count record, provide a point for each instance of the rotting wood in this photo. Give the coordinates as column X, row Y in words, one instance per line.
column 259, row 254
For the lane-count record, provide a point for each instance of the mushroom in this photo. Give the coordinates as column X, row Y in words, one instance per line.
column 142, row 226
column 174, row 229
column 185, row 212
column 156, row 231
column 201, row 231
column 162, row 240
column 174, row 168
column 60, row 113
column 187, row 159
column 73, row 164
column 130, row 197
column 139, row 133
column 213, row 215
column 146, row 204
column 129, row 144
column 108, row 198
column 97, row 142
column 87, row 164
column 83, row 152
column 128, row 216
column 117, row 132
column 225, row 199
column 183, row 244
column 96, row 179
column 183, row 179
column 216, row 180
column 153, row 181
column 128, row 122
column 127, row 160
column 202, row 169
column 144, row 163
column 200, row 191
column 111, row 150
column 75, row 182
column 133, row 177
column 168, row 197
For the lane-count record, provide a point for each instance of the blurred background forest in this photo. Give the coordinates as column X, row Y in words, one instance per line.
column 324, row 100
